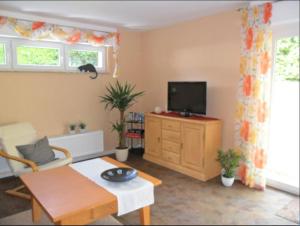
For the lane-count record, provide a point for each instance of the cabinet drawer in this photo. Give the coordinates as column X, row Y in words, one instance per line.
column 171, row 136
column 171, row 125
column 170, row 157
column 171, row 146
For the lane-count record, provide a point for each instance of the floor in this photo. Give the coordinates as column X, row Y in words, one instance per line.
column 184, row 200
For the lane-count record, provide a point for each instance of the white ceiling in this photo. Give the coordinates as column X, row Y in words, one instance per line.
column 140, row 15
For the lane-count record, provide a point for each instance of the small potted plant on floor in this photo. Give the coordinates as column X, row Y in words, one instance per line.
column 82, row 127
column 72, row 128
column 120, row 96
column 229, row 161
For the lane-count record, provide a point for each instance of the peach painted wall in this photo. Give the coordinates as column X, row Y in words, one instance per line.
column 206, row 49
column 50, row 101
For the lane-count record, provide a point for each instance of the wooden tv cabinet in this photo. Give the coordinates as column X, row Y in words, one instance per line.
column 188, row 145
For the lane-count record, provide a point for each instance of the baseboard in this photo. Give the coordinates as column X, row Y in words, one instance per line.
column 4, row 174
column 283, row 187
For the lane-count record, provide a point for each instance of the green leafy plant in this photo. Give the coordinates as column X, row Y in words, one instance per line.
column 229, row 161
column 82, row 125
column 120, row 96
column 72, row 127
column 287, row 59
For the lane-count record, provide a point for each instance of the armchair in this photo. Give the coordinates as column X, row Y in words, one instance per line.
column 19, row 134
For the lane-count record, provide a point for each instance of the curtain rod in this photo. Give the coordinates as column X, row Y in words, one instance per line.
column 54, row 21
column 262, row 2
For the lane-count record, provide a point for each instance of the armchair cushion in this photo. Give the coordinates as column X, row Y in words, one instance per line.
column 13, row 135
column 50, row 165
column 39, row 152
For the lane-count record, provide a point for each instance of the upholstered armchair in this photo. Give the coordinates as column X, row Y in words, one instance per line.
column 19, row 134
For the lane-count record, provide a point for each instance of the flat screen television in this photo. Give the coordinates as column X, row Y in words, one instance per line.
column 187, row 97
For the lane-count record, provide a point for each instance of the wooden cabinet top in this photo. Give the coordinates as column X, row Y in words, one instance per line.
column 178, row 117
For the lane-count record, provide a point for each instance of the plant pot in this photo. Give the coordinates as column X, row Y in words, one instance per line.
column 227, row 182
column 122, row 154
column 72, row 131
column 82, row 130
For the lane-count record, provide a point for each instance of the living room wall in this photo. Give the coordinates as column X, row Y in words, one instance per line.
column 50, row 101
column 206, row 49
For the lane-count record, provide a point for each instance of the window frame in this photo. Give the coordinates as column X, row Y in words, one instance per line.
column 40, row 44
column 280, row 30
column 82, row 47
column 7, row 46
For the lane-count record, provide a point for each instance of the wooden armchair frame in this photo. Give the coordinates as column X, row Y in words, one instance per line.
column 32, row 165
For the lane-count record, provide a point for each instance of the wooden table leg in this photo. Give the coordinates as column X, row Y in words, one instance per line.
column 145, row 215
column 36, row 211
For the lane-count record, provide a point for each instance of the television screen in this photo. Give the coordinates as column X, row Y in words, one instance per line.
column 187, row 97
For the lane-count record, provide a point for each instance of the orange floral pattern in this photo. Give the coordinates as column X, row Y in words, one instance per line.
column 262, row 111
column 249, row 38
column 37, row 25
column 245, row 131
column 254, row 91
column 247, row 85
column 260, row 158
column 264, row 63
column 267, row 12
column 3, row 20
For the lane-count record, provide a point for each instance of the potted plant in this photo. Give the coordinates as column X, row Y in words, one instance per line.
column 82, row 127
column 120, row 96
column 72, row 128
column 229, row 161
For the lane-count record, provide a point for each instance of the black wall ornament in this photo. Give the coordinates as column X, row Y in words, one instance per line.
column 89, row 68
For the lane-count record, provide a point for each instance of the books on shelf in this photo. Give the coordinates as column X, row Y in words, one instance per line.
column 135, row 117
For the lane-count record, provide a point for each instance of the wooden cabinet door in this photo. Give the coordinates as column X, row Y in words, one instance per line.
column 153, row 136
column 192, row 145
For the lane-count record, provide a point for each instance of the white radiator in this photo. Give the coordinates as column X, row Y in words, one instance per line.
column 82, row 145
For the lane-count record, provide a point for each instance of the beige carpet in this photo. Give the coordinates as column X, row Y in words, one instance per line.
column 24, row 218
column 291, row 211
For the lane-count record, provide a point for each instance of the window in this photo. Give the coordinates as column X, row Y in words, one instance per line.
column 20, row 54
column 80, row 55
column 30, row 55
column 283, row 150
column 4, row 54
column 37, row 55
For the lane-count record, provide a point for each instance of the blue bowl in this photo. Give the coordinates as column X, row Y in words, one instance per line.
column 121, row 174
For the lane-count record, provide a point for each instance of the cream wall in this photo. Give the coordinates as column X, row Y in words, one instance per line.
column 50, row 101
column 206, row 49
column 201, row 50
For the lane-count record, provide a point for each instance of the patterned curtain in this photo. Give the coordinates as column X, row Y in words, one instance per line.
column 39, row 30
column 254, row 94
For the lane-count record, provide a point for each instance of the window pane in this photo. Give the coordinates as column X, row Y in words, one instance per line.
column 287, row 59
column 40, row 56
column 2, row 53
column 81, row 57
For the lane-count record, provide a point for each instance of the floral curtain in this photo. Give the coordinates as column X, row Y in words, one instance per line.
column 39, row 30
column 254, row 94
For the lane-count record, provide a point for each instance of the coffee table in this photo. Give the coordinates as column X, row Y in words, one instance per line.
column 68, row 198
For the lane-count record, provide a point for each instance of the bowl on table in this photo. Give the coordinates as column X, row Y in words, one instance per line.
column 121, row 174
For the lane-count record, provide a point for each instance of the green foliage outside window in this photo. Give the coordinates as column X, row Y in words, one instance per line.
column 29, row 55
column 78, row 58
column 287, row 59
column 2, row 54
